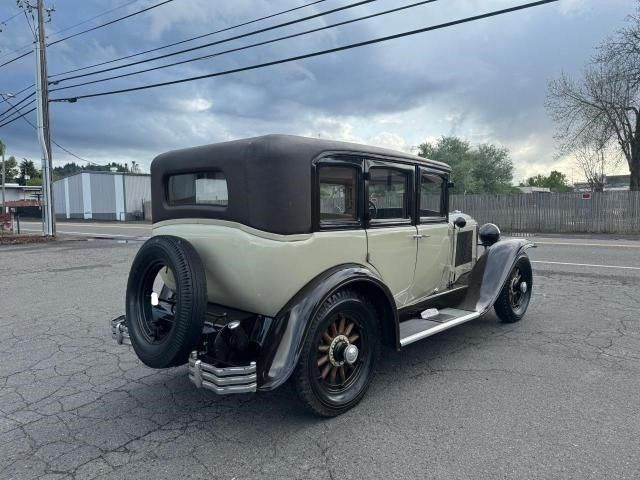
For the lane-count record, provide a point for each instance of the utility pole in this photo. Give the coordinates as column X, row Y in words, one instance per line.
column 43, row 128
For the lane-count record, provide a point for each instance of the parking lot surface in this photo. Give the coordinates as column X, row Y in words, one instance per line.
column 554, row 396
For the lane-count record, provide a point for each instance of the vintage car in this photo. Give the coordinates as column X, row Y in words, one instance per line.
column 283, row 257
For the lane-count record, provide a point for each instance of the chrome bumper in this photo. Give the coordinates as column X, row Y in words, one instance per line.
column 222, row 380
column 119, row 331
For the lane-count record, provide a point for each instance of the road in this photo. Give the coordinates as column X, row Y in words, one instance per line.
column 94, row 229
column 553, row 396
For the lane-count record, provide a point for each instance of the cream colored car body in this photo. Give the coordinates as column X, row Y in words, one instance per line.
column 260, row 272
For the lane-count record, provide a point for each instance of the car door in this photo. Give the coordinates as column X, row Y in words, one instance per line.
column 391, row 242
column 434, row 234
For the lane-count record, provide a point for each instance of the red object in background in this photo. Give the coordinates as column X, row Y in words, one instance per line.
column 5, row 221
column 586, row 196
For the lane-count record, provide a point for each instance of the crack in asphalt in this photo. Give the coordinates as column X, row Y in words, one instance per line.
column 75, row 405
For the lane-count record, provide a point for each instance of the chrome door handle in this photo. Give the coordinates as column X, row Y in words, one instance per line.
column 419, row 235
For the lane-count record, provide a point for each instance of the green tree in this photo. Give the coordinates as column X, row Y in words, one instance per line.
column 71, row 168
column 11, row 169
column 483, row 169
column 556, row 181
column 28, row 169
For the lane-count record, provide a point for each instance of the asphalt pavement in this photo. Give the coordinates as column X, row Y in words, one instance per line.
column 553, row 396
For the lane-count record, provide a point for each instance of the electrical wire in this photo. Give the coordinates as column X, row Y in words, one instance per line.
column 86, row 31
column 313, row 54
column 16, row 58
column 4, row 22
column 17, row 118
column 31, row 27
column 24, row 89
column 189, row 39
column 111, row 22
column 246, row 47
column 224, row 40
column 52, row 141
column 18, row 111
column 13, row 106
column 93, row 18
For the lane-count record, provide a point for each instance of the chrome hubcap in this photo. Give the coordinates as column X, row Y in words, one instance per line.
column 339, row 348
column 351, row 354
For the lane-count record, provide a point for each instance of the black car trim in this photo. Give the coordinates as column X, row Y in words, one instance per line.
column 293, row 320
column 491, row 271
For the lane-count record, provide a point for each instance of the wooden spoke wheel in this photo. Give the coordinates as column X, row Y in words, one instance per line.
column 339, row 354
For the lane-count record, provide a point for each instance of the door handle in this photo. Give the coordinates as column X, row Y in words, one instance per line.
column 420, row 235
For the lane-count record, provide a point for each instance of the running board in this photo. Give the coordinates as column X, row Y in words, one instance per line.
column 417, row 328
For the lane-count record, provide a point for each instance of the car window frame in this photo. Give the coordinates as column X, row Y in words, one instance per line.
column 444, row 199
column 409, row 170
column 337, row 160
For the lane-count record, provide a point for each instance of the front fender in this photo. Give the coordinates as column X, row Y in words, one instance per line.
column 292, row 322
column 491, row 271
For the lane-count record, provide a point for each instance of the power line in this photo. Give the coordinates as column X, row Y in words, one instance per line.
column 24, row 89
column 19, row 117
column 71, row 27
column 77, row 156
column 17, row 110
column 314, row 54
column 246, row 47
column 4, row 22
column 189, row 39
column 94, row 17
column 224, row 40
column 26, row 16
column 111, row 22
column 13, row 106
column 86, row 31
column 16, row 58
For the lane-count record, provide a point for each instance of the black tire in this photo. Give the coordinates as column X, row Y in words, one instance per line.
column 512, row 303
column 316, row 393
column 183, row 332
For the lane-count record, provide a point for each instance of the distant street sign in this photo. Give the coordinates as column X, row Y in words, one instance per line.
column 586, row 196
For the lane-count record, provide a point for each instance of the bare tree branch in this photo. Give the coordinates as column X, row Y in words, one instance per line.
column 602, row 110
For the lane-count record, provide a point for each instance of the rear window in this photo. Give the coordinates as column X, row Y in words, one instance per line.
column 202, row 188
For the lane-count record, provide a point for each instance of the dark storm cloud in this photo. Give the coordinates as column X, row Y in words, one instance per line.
column 485, row 81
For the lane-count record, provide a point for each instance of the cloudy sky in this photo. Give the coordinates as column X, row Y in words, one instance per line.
column 484, row 81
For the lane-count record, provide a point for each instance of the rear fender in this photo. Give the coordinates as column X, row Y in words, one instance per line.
column 292, row 322
column 491, row 271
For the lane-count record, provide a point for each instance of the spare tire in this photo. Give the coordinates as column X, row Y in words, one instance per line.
column 165, row 330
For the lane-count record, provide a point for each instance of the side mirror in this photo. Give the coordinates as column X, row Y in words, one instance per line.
column 460, row 222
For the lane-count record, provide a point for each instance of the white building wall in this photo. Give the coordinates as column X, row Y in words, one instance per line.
column 103, row 196
column 118, row 185
column 87, row 209
column 59, row 198
column 76, row 204
column 137, row 190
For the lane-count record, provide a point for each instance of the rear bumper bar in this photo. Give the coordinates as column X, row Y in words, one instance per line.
column 222, row 380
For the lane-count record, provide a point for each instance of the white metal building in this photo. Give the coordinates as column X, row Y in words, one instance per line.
column 14, row 192
column 102, row 196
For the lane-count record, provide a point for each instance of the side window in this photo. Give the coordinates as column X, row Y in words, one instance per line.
column 388, row 194
column 431, row 195
column 205, row 188
column 338, row 194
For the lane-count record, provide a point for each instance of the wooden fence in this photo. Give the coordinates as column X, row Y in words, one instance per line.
column 601, row 212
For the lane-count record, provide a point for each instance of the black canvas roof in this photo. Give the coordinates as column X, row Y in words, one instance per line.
column 268, row 178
